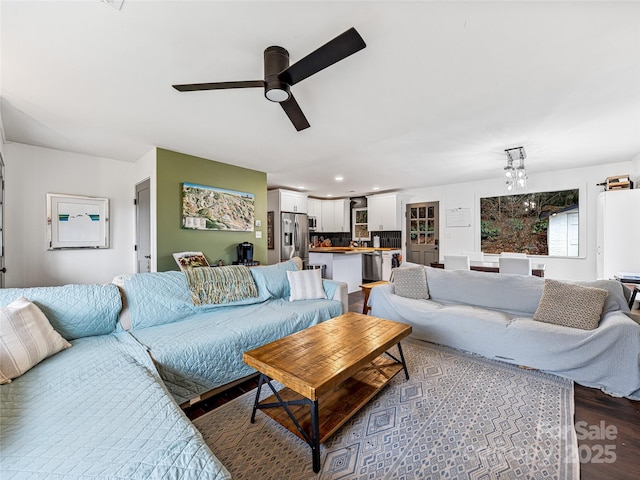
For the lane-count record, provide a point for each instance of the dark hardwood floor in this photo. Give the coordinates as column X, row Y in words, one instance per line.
column 608, row 428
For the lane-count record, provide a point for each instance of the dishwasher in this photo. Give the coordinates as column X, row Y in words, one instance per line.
column 372, row 266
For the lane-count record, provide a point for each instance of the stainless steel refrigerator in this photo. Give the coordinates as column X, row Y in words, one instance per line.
column 294, row 237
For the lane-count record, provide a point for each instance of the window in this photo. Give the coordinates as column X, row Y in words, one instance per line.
column 543, row 223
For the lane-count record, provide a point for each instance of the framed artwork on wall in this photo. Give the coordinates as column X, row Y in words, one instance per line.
column 210, row 208
column 75, row 221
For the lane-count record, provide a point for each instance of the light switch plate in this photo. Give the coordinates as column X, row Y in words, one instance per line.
column 258, row 233
column 258, row 223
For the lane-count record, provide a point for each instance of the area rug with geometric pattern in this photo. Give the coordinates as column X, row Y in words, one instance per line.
column 459, row 416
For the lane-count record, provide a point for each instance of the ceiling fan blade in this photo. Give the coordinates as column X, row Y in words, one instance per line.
column 293, row 111
column 331, row 52
column 191, row 87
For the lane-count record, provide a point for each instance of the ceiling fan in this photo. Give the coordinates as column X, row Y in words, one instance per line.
column 279, row 76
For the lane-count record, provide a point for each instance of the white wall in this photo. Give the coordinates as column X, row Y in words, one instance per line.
column 467, row 195
column 30, row 173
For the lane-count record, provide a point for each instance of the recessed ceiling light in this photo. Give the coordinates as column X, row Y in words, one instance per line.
column 339, row 178
column 329, row 195
column 376, row 188
column 301, row 187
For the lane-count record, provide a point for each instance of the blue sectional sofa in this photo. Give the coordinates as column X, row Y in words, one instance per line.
column 492, row 314
column 108, row 406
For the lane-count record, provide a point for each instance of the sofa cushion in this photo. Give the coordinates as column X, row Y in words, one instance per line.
column 157, row 298
column 517, row 294
column 571, row 305
column 74, row 311
column 26, row 338
column 410, row 282
column 305, row 285
column 205, row 351
column 99, row 410
column 615, row 300
column 273, row 280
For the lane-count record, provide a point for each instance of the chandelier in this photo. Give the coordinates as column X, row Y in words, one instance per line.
column 515, row 177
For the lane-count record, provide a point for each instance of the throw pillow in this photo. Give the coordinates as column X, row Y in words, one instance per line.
column 571, row 305
column 26, row 338
column 305, row 285
column 410, row 282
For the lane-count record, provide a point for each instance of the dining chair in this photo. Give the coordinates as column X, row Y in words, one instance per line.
column 456, row 262
column 474, row 256
column 520, row 266
column 513, row 254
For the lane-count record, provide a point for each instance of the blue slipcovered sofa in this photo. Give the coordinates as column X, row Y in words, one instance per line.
column 491, row 314
column 108, row 406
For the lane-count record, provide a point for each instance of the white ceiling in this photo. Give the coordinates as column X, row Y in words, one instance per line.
column 438, row 94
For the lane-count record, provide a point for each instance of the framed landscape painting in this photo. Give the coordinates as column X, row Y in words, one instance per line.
column 210, row 208
column 75, row 221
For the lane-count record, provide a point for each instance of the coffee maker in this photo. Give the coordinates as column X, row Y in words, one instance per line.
column 245, row 253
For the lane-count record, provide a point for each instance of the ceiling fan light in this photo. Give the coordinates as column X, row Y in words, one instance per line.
column 277, row 95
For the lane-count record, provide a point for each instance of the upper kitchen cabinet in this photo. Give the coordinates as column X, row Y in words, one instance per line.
column 314, row 207
column 335, row 216
column 384, row 212
column 288, row 201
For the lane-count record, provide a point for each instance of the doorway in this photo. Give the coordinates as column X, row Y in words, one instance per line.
column 3, row 270
column 143, row 226
column 423, row 232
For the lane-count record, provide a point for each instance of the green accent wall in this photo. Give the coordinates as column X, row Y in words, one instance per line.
column 173, row 169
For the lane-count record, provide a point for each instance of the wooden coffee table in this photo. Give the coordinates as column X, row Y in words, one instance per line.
column 329, row 371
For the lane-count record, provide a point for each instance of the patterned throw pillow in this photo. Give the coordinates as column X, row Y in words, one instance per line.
column 410, row 282
column 571, row 305
column 305, row 285
column 26, row 338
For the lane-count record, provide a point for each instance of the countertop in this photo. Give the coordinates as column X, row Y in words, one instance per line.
column 349, row 250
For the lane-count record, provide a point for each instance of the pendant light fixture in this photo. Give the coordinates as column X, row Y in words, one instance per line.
column 515, row 177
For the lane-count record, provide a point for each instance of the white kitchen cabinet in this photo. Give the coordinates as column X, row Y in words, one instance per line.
column 618, row 234
column 384, row 212
column 292, row 201
column 335, row 216
column 314, row 209
column 327, row 222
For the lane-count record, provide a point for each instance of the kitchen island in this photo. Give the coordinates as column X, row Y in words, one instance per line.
column 343, row 264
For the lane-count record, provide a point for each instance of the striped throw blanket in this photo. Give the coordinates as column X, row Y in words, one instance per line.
column 219, row 285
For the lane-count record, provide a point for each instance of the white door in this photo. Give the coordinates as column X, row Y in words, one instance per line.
column 143, row 226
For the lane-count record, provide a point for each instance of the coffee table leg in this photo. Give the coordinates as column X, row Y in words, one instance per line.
column 315, row 436
column 255, row 403
column 404, row 364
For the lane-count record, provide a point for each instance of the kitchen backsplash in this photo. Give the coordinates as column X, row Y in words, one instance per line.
column 389, row 239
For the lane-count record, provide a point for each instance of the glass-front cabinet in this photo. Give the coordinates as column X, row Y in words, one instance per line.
column 360, row 224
